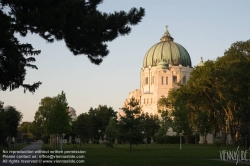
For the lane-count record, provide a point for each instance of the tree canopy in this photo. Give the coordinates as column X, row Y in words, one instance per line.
column 216, row 96
column 10, row 119
column 131, row 123
column 52, row 116
column 83, row 28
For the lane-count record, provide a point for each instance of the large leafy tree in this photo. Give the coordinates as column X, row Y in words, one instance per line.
column 26, row 129
column 83, row 28
column 59, row 119
column 222, row 88
column 52, row 116
column 42, row 115
column 82, row 127
column 10, row 120
column 99, row 119
column 234, row 90
column 181, row 121
column 92, row 125
column 111, row 132
column 130, row 123
column 150, row 125
column 2, row 124
column 165, row 108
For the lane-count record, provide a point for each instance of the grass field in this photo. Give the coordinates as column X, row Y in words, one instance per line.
column 152, row 155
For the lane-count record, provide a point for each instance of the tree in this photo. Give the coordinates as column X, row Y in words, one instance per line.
column 52, row 116
column 99, row 120
column 219, row 92
column 26, row 129
column 233, row 73
column 2, row 124
column 164, row 107
column 11, row 120
column 180, row 113
column 14, row 57
column 111, row 132
column 83, row 127
column 150, row 125
column 130, row 123
column 59, row 119
column 84, row 29
column 42, row 115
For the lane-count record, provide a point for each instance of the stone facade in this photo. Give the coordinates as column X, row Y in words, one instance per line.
column 165, row 64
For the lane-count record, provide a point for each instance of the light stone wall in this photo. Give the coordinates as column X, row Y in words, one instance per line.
column 152, row 88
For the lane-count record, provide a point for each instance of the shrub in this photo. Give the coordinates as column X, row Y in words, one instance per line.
column 109, row 145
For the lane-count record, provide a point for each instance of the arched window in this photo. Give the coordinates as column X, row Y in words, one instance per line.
column 174, row 79
column 146, row 80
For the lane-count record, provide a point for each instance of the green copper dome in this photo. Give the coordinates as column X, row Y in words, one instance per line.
column 168, row 51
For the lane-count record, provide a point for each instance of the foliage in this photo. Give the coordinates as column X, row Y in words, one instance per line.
column 83, row 127
column 92, row 125
column 25, row 127
column 150, row 125
column 161, row 136
column 52, row 116
column 27, row 130
column 164, row 104
column 10, row 120
column 111, row 132
column 59, row 119
column 216, row 97
column 99, row 119
column 165, row 108
column 2, row 124
column 14, row 56
column 41, row 118
column 83, row 28
column 130, row 123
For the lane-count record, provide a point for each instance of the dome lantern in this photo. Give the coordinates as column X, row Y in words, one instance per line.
column 167, row 36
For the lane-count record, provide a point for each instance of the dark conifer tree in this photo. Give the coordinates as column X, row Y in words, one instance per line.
column 84, row 29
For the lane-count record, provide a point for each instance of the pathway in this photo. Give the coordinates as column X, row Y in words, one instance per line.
column 25, row 157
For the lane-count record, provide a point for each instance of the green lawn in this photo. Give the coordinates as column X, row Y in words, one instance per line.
column 151, row 155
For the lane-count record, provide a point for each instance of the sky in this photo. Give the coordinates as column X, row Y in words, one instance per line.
column 205, row 28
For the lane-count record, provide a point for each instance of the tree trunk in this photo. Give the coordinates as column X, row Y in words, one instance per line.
column 233, row 138
column 186, row 139
column 205, row 138
column 223, row 138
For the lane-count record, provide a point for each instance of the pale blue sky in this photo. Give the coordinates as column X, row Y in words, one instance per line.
column 204, row 28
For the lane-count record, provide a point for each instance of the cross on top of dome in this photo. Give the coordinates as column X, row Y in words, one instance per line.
column 167, row 36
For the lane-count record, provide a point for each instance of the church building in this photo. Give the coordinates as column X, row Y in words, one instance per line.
column 164, row 65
